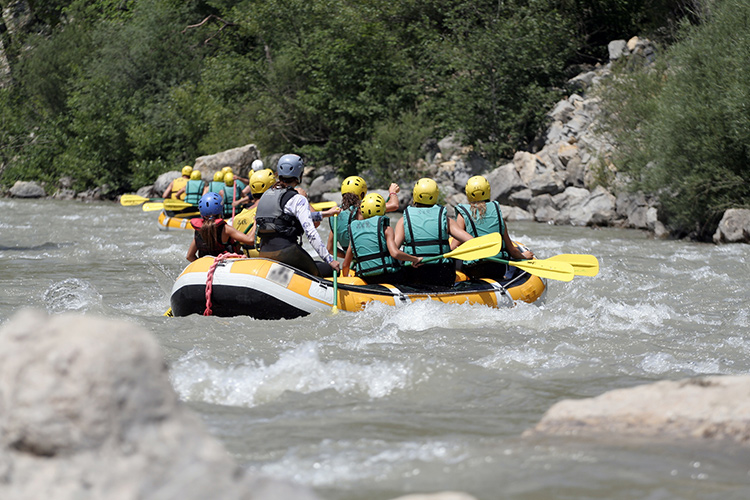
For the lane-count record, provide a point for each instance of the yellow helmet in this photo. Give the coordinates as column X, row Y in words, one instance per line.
column 354, row 184
column 373, row 204
column 195, row 175
column 261, row 180
column 229, row 179
column 425, row 191
column 218, row 176
column 477, row 189
column 187, row 170
column 227, row 170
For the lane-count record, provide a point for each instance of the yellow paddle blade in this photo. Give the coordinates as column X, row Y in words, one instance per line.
column 561, row 271
column 153, row 207
column 131, row 200
column 323, row 205
column 482, row 247
column 243, row 220
column 176, row 205
column 583, row 264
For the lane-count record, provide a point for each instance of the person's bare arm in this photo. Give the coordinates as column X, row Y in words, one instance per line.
column 394, row 250
column 459, row 234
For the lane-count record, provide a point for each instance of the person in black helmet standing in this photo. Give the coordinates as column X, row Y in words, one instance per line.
column 283, row 215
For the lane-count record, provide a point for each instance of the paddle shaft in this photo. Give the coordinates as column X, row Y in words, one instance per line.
column 335, row 273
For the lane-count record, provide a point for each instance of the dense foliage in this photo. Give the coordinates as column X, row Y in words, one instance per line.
column 683, row 128
column 115, row 92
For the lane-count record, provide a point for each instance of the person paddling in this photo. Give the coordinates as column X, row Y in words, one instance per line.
column 425, row 231
column 212, row 235
column 482, row 216
column 353, row 191
column 372, row 246
column 176, row 185
column 216, row 185
column 193, row 190
column 281, row 218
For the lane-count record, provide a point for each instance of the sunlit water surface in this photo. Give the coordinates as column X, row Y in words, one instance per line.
column 429, row 397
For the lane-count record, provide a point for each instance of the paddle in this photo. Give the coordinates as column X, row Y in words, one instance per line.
column 476, row 248
column 335, row 308
column 131, row 200
column 152, row 207
column 583, row 264
column 561, row 271
column 177, row 205
column 234, row 198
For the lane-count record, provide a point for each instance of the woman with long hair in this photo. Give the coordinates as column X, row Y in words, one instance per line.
column 212, row 235
column 482, row 216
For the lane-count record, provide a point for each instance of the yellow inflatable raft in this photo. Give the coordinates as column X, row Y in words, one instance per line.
column 266, row 289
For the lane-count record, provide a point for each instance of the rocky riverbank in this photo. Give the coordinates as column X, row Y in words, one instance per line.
column 568, row 179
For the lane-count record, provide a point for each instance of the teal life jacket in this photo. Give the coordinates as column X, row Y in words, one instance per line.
column 369, row 247
column 344, row 219
column 229, row 196
column 194, row 191
column 491, row 222
column 216, row 186
column 426, row 232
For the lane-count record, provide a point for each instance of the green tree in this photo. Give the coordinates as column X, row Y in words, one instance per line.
column 692, row 125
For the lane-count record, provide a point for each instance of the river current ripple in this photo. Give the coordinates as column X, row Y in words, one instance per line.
column 428, row 397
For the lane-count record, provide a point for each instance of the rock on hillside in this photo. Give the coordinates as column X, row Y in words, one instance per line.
column 701, row 408
column 557, row 183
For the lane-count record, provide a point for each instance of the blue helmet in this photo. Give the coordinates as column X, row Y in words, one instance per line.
column 211, row 205
column 290, row 166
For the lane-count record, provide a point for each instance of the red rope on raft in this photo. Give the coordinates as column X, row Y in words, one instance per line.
column 210, row 277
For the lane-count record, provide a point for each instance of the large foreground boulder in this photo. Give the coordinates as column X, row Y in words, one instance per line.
column 87, row 411
column 707, row 407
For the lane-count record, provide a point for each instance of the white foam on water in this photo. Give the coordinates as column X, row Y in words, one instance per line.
column 333, row 462
column 643, row 317
column 661, row 362
column 71, row 295
column 298, row 370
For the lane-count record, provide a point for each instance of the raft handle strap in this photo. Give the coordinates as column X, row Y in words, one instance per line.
column 210, row 277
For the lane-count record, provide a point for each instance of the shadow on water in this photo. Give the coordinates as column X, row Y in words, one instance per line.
column 44, row 246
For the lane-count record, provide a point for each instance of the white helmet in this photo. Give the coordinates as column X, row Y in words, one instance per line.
column 257, row 165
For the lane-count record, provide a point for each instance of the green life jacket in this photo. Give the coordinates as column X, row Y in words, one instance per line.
column 216, row 186
column 194, row 191
column 426, row 232
column 229, row 195
column 342, row 226
column 491, row 222
column 369, row 247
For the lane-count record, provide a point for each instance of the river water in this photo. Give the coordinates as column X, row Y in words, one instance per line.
column 428, row 397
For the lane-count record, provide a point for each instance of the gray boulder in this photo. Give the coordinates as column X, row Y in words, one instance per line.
column 27, row 189
column 161, row 183
column 87, row 411
column 515, row 214
column 703, row 408
column 240, row 159
column 326, row 180
column 734, row 227
column 617, row 49
column 504, row 181
column 598, row 209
